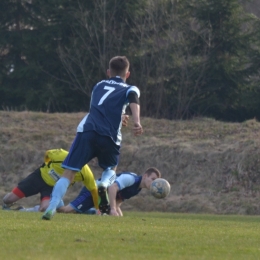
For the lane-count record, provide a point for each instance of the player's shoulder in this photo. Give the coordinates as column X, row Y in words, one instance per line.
column 134, row 89
column 126, row 173
column 125, row 180
column 126, row 176
column 56, row 153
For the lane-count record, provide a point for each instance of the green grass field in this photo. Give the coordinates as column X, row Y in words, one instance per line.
column 135, row 236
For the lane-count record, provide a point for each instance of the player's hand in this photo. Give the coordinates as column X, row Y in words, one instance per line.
column 137, row 129
column 113, row 212
column 125, row 119
column 98, row 212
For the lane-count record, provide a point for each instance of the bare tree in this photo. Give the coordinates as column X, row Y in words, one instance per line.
column 96, row 38
column 169, row 81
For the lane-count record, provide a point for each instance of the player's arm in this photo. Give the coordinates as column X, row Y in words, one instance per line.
column 118, row 209
column 125, row 119
column 94, row 194
column 123, row 181
column 90, row 184
column 135, row 109
column 112, row 191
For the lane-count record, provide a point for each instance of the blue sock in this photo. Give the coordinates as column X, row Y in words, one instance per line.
column 58, row 192
column 61, row 204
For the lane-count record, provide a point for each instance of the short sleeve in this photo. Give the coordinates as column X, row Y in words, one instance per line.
column 133, row 89
column 125, row 180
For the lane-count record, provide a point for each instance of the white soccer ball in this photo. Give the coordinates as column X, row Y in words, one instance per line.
column 160, row 188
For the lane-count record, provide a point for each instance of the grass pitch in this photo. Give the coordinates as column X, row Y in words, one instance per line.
column 135, row 236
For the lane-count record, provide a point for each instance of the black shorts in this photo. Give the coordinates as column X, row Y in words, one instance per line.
column 34, row 184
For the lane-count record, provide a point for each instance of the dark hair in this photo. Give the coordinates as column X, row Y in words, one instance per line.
column 150, row 170
column 119, row 65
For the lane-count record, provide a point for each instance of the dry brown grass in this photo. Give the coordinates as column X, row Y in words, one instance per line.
column 213, row 167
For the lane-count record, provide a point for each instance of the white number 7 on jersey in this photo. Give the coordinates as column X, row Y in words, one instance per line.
column 110, row 90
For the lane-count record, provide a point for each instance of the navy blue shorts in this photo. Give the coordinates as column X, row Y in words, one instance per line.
column 88, row 145
column 83, row 202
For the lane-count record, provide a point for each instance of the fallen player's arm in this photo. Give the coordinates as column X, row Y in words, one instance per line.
column 90, row 184
column 112, row 191
column 94, row 194
column 118, row 209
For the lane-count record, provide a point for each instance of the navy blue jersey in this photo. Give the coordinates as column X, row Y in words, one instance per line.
column 129, row 191
column 108, row 102
column 127, row 182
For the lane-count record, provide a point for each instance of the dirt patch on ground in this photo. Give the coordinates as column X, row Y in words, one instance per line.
column 213, row 167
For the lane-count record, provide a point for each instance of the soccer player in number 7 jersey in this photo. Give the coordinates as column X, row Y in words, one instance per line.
column 99, row 133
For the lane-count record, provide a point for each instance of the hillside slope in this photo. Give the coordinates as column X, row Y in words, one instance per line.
column 213, row 167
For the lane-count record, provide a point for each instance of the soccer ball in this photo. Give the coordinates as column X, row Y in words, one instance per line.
column 160, row 188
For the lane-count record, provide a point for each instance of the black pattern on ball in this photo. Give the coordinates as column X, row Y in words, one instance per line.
column 160, row 188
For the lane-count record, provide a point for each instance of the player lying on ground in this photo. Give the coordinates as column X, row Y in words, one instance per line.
column 126, row 185
column 44, row 178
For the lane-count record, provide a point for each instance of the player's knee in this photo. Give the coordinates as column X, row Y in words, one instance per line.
column 9, row 198
column 42, row 209
column 5, row 198
column 69, row 174
column 44, row 204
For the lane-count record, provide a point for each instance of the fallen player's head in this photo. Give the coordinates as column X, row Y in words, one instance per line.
column 149, row 176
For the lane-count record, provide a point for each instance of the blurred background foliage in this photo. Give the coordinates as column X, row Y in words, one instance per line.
column 189, row 58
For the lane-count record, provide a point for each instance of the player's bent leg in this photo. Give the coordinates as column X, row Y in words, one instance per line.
column 58, row 192
column 44, row 204
column 9, row 199
column 69, row 174
column 108, row 177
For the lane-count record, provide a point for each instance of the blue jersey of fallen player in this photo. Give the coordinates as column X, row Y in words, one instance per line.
column 108, row 102
column 128, row 184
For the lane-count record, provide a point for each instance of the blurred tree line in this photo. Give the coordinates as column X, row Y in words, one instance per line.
column 189, row 58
